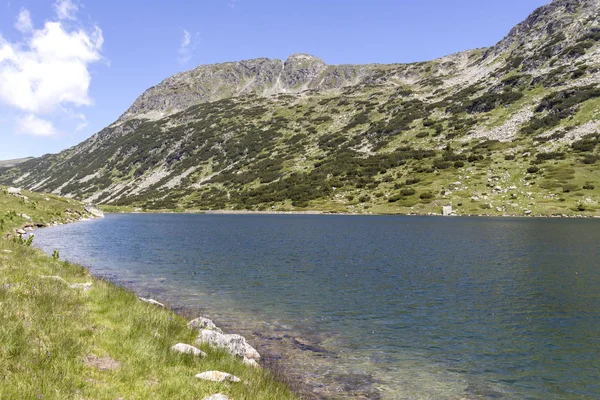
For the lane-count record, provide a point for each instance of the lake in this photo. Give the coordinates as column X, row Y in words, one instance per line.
column 377, row 307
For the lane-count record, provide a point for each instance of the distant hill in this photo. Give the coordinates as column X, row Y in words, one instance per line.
column 12, row 163
column 508, row 130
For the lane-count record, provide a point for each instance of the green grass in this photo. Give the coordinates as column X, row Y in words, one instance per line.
column 50, row 332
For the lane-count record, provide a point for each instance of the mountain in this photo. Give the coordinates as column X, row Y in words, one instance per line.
column 512, row 129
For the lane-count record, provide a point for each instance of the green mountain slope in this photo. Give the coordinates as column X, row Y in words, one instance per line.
column 512, row 130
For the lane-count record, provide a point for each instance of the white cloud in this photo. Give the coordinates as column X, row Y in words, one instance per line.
column 24, row 23
column 66, row 9
column 34, row 126
column 187, row 46
column 184, row 53
column 49, row 68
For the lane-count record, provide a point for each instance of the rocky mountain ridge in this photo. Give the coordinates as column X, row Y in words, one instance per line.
column 509, row 130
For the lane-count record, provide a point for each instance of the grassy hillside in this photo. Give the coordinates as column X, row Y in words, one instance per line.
column 61, row 343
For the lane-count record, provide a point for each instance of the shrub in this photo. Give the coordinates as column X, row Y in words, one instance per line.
column 408, row 192
column 426, row 196
column 509, row 157
column 364, row 198
column 588, row 186
column 532, row 170
column 459, row 164
column 441, row 164
column 412, row 180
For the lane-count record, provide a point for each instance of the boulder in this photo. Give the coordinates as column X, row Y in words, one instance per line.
column 250, row 352
column 151, row 301
column 187, row 349
column 13, row 190
column 217, row 396
column 218, row 376
column 447, row 210
column 21, row 231
column 233, row 344
column 251, row 363
column 27, row 217
column 203, row 323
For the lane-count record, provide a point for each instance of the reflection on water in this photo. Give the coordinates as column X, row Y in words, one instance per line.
column 376, row 307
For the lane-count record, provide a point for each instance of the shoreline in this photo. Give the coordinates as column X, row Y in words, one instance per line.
column 97, row 332
column 333, row 213
column 274, row 363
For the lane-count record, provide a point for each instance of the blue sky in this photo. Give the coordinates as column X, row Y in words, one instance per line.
column 69, row 68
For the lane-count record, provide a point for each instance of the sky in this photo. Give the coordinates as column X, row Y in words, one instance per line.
column 69, row 68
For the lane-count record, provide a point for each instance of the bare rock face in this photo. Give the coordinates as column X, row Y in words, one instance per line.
column 300, row 69
column 260, row 76
column 546, row 31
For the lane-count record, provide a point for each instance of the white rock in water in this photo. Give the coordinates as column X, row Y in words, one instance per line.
column 151, row 301
column 234, row 344
column 203, row 323
column 187, row 349
column 13, row 190
column 217, row 396
column 218, row 376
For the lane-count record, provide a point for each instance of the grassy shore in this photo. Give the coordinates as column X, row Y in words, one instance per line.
column 60, row 342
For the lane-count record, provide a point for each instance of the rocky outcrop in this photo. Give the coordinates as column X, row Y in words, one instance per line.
column 260, row 76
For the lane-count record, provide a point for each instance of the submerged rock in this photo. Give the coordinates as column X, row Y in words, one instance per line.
column 187, row 349
column 218, row 376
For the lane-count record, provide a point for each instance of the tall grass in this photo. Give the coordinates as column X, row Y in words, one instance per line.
column 64, row 343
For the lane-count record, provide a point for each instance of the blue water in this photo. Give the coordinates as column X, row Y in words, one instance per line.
column 376, row 306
